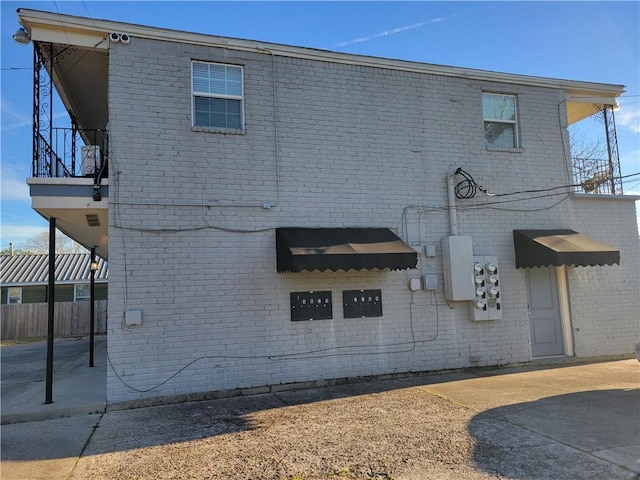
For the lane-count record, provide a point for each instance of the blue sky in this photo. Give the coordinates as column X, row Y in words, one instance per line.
column 589, row 41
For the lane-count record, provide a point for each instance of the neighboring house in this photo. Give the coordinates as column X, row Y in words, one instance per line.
column 275, row 214
column 24, row 278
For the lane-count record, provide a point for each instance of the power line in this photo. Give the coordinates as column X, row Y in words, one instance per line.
column 467, row 188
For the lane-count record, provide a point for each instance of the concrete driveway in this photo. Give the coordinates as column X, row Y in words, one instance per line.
column 77, row 388
column 539, row 422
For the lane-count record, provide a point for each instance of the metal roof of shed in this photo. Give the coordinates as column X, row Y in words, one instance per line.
column 18, row 270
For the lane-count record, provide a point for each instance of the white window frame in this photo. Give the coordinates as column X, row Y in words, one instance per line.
column 12, row 296
column 77, row 297
column 514, row 122
column 195, row 94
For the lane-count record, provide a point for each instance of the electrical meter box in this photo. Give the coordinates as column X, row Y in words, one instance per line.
column 457, row 262
column 487, row 302
column 362, row 303
column 311, row 306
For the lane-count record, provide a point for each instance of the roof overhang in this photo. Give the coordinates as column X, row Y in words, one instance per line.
column 47, row 26
column 543, row 248
column 80, row 65
column 309, row 249
column 583, row 104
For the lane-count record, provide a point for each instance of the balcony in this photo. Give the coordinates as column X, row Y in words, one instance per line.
column 70, row 152
column 595, row 162
column 70, row 163
column 596, row 176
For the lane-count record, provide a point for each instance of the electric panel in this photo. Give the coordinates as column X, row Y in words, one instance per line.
column 487, row 304
column 457, row 262
column 362, row 303
column 311, row 306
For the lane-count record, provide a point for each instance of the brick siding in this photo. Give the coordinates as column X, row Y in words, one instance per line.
column 355, row 147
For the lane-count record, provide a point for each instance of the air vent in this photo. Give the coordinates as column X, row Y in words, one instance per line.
column 93, row 220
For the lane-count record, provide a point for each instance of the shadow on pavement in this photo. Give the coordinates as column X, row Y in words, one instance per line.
column 520, row 440
column 586, row 435
column 183, row 422
column 77, row 388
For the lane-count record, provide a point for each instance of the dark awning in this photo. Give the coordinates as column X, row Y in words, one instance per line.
column 541, row 248
column 334, row 249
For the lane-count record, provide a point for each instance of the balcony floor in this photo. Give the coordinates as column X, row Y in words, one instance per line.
column 70, row 201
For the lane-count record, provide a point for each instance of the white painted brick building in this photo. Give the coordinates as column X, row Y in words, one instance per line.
column 333, row 141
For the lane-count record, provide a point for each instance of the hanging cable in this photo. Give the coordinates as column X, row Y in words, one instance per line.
column 468, row 187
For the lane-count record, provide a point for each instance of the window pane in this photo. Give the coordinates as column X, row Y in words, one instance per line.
column 498, row 107
column 217, row 82
column 218, row 105
column 233, row 107
column 218, row 112
column 15, row 295
column 217, row 79
column 234, row 121
column 234, row 80
column 201, row 111
column 200, row 77
column 83, row 292
column 500, row 135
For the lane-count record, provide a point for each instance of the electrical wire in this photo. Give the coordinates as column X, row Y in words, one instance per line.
column 55, row 4
column 539, row 209
column 562, row 130
column 193, row 229
column 310, row 354
column 468, row 187
column 498, row 202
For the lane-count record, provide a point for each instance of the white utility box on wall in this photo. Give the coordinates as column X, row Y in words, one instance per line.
column 457, row 263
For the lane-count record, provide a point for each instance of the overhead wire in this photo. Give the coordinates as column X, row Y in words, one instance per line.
column 466, row 189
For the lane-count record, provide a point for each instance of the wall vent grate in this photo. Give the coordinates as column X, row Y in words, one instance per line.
column 93, row 220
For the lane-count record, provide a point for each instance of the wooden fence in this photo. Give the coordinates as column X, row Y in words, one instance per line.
column 71, row 319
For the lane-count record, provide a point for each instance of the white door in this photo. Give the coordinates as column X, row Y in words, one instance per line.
column 544, row 312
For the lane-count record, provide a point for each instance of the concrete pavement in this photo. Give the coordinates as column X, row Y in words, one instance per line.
column 44, row 441
column 590, row 411
column 77, row 388
column 532, row 422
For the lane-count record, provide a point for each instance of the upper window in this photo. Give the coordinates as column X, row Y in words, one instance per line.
column 14, row 295
column 82, row 292
column 500, row 121
column 218, row 95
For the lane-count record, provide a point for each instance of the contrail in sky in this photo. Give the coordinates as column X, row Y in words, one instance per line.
column 386, row 33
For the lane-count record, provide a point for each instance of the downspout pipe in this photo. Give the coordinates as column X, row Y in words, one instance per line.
column 453, row 216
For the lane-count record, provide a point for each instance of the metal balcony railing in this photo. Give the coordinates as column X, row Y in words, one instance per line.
column 71, row 152
column 598, row 176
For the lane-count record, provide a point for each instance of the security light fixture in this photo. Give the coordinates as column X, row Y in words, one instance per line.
column 94, row 266
column 22, row 37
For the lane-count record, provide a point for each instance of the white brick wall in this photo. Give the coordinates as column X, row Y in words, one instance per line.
column 356, row 146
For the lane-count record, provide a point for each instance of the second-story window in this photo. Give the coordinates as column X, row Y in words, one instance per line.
column 500, row 120
column 217, row 95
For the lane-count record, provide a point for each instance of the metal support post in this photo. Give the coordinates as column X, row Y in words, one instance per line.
column 51, row 310
column 93, row 299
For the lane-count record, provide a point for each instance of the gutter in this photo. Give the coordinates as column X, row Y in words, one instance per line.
column 29, row 18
